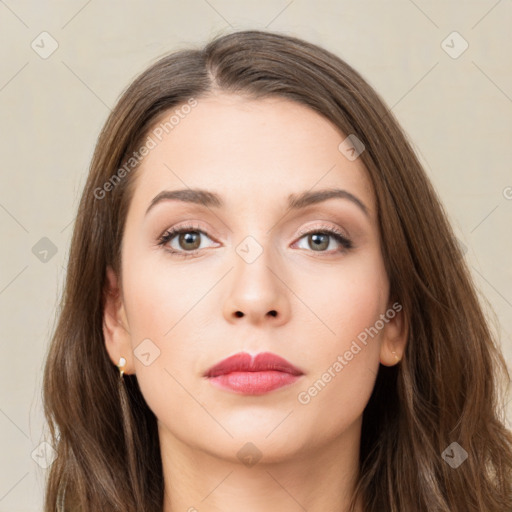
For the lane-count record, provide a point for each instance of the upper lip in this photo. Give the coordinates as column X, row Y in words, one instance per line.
column 244, row 362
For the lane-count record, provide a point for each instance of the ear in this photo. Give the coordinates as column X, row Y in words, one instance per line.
column 394, row 336
column 115, row 325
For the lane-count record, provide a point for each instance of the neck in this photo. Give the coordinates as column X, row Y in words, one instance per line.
column 315, row 479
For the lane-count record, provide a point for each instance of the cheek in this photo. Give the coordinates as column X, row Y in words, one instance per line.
column 344, row 303
column 170, row 306
column 343, row 349
column 159, row 294
column 329, row 404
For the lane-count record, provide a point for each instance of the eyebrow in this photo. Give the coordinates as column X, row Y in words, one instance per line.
column 295, row 201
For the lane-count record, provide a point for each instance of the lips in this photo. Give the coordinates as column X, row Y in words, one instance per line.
column 246, row 375
column 244, row 362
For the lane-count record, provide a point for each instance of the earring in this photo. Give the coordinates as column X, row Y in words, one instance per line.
column 120, row 365
column 396, row 357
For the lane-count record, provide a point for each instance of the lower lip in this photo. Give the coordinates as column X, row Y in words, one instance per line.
column 253, row 383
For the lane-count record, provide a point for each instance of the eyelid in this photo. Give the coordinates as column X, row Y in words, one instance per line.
column 323, row 227
column 172, row 232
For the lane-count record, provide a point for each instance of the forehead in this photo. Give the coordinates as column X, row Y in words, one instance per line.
column 248, row 150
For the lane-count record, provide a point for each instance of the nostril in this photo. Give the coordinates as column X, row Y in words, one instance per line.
column 239, row 314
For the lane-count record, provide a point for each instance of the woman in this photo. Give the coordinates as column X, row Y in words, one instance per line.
column 266, row 307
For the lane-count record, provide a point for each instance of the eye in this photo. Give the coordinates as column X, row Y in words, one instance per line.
column 188, row 240
column 320, row 240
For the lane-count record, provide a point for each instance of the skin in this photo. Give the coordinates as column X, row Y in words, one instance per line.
column 254, row 153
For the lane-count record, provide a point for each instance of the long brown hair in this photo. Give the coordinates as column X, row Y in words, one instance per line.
column 445, row 390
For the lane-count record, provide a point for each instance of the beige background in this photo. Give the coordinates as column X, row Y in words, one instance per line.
column 457, row 112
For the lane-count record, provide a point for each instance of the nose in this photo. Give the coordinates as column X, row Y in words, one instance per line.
column 258, row 293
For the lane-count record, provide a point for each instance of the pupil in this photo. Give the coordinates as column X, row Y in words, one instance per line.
column 188, row 238
column 319, row 243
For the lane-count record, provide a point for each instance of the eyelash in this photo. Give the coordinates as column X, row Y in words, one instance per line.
column 324, row 230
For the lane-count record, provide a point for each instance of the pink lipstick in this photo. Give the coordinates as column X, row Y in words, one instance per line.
column 245, row 374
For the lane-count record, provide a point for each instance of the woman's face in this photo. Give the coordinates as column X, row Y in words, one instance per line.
column 245, row 277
